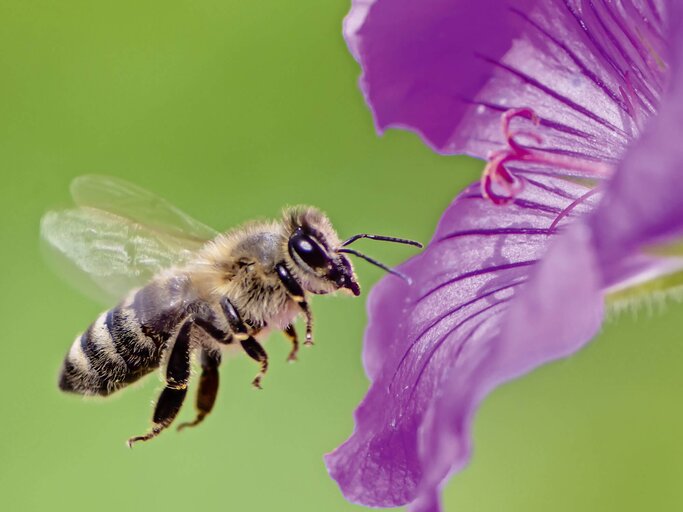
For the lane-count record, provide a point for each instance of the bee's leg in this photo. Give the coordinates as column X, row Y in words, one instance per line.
column 177, row 374
column 240, row 332
column 298, row 295
column 208, row 387
column 290, row 332
column 254, row 350
column 309, row 322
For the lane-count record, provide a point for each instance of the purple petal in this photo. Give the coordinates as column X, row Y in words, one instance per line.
column 554, row 315
column 448, row 326
column 643, row 203
column 483, row 308
column 448, row 68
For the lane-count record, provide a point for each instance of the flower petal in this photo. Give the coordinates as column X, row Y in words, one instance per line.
column 594, row 71
column 448, row 68
column 448, row 326
column 554, row 315
column 643, row 203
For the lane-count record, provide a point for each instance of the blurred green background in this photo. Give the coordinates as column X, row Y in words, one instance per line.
column 231, row 110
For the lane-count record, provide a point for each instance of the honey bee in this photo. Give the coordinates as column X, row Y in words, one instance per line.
column 185, row 289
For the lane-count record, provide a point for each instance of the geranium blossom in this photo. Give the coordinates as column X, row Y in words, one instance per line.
column 577, row 108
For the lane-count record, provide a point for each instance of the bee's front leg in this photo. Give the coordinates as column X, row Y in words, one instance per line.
column 177, row 374
column 299, row 296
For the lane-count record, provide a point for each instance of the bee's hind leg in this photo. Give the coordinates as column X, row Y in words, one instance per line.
column 172, row 397
column 208, row 388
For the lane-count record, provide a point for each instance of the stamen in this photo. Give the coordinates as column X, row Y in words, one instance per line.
column 631, row 98
column 571, row 207
column 627, row 94
column 501, row 186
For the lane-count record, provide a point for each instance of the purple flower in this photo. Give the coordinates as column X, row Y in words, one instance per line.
column 577, row 108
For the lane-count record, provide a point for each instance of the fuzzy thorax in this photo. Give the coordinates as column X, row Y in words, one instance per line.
column 240, row 264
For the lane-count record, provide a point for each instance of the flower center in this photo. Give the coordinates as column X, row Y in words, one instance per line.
column 500, row 184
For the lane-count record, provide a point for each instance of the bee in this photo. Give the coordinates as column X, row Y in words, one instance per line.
column 185, row 289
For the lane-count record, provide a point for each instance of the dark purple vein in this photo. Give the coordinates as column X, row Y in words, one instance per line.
column 628, row 61
column 557, row 96
column 443, row 339
column 495, row 232
column 475, row 273
column 575, row 58
column 445, row 315
column 548, row 123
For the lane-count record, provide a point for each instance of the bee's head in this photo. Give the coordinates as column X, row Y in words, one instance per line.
column 312, row 253
column 317, row 256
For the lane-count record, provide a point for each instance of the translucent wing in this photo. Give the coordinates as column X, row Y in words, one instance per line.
column 121, row 198
column 117, row 237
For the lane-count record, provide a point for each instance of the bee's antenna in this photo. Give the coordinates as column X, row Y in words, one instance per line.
column 377, row 263
column 382, row 239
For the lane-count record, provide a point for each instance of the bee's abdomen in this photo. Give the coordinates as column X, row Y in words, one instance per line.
column 111, row 354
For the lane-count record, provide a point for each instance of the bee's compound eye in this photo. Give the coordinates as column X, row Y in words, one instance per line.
column 308, row 250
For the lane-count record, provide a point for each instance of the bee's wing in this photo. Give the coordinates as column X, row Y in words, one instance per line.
column 118, row 197
column 117, row 237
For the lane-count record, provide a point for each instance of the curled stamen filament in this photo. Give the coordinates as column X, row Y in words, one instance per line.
column 501, row 186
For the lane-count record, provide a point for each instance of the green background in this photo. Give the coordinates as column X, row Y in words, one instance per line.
column 231, row 110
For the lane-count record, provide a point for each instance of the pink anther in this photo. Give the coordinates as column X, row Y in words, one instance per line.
column 524, row 113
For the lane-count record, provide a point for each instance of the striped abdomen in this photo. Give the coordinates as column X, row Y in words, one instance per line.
column 122, row 345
